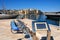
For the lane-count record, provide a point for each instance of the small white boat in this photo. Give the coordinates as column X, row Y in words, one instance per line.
column 8, row 16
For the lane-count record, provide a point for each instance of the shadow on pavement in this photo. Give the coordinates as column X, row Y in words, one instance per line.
column 44, row 38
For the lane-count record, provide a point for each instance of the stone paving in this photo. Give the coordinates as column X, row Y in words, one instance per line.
column 6, row 34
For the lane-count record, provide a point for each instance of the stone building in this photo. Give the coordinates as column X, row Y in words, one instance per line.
column 30, row 13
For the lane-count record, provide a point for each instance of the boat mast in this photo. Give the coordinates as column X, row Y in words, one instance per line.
column 3, row 7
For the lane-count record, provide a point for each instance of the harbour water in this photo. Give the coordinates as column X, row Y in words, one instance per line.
column 49, row 20
column 53, row 22
column 59, row 22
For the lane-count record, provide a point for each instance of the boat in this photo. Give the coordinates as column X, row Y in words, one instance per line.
column 4, row 13
column 54, row 17
column 8, row 16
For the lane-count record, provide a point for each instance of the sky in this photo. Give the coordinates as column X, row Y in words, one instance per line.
column 43, row 5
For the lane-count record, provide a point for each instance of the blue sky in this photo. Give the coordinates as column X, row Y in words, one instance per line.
column 43, row 5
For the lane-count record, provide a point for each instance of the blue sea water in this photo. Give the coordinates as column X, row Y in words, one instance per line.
column 53, row 22
column 49, row 21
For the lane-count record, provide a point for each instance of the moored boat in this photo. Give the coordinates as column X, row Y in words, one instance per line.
column 54, row 17
column 8, row 16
